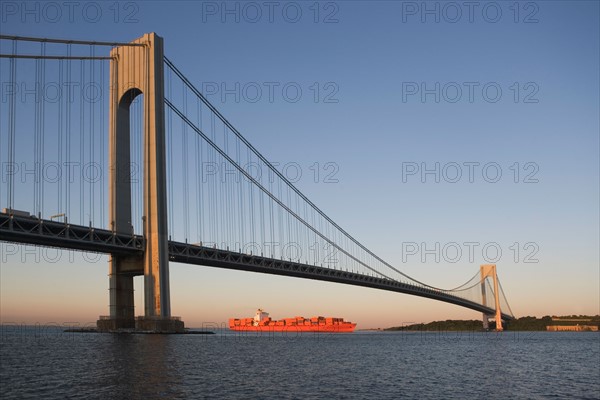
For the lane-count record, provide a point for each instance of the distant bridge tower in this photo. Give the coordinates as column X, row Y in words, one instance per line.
column 134, row 70
column 489, row 270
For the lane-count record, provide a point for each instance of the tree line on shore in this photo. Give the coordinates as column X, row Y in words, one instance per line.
column 520, row 324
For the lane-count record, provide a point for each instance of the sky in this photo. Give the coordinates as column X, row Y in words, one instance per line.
column 502, row 100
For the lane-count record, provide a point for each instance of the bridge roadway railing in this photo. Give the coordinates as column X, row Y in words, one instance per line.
column 41, row 232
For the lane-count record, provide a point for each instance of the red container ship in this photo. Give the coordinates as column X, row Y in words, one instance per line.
column 262, row 322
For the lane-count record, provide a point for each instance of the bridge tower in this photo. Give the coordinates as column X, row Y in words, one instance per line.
column 489, row 270
column 134, row 70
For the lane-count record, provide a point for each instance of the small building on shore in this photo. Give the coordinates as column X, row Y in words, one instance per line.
column 572, row 328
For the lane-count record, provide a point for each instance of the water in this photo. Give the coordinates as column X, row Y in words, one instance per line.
column 47, row 363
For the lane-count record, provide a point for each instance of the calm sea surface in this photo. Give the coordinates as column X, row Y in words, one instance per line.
column 47, row 363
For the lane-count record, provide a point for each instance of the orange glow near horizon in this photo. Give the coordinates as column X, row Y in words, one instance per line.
column 78, row 292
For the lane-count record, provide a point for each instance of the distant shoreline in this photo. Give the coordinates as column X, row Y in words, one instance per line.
column 571, row 323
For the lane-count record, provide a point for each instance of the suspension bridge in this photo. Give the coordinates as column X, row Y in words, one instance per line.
column 182, row 183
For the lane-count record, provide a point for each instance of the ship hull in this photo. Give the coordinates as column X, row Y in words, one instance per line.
column 341, row 328
column 261, row 322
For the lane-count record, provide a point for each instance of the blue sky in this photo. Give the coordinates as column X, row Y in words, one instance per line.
column 371, row 57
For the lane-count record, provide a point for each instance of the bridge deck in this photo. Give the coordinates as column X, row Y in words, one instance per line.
column 42, row 232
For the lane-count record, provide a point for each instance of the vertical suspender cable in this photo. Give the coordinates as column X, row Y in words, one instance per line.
column 91, row 167
column 332, row 237
column 280, row 220
column 81, row 147
column 221, row 196
column 199, row 202
column 63, row 121
column 184, row 165
column 240, row 197
column 251, row 201
column 103, row 161
column 262, row 213
column 68, row 102
column 214, row 225
column 225, row 192
column 112, row 94
column 42, row 138
column 11, row 128
column 230, row 198
column 170, row 156
column 232, row 190
column 36, row 138
column 271, row 221
column 197, row 172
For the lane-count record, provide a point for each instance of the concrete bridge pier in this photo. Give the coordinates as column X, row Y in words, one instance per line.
column 122, row 270
column 489, row 270
column 138, row 70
